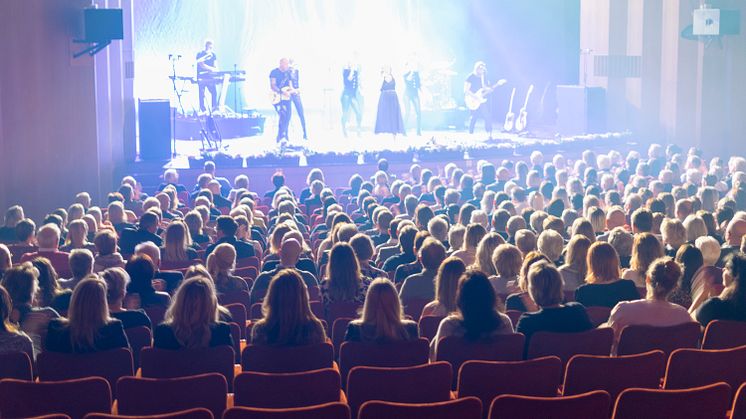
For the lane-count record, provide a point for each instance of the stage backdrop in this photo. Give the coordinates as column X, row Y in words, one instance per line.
column 528, row 43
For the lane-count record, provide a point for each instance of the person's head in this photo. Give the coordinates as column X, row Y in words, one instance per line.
column 478, row 305
column 474, row 234
column 13, row 215
column 141, row 270
column 226, row 226
column 507, row 260
column 446, row 282
column 88, row 313
column 290, row 251
column 438, row 228
column 514, row 224
column 456, row 236
column 193, row 221
column 423, row 215
column 673, row 233
column 25, row 231
column 116, row 280
column 21, row 282
column 81, row 263
column 383, row 311
column 485, row 249
column 431, row 254
column 645, row 249
column 286, row 309
column 176, row 241
column 48, row 236
column 662, row 278
column 691, row 259
column 603, row 263
column 710, row 248
column 734, row 279
column 278, row 180
column 577, row 253
column 545, row 285
column 149, row 221
column 6, row 309
column 362, row 245
column 151, row 250
column 221, row 262
column 550, row 244
column 525, row 240
column 529, row 259
column 642, row 221
column 735, row 231
column 406, row 238
column 343, row 273
column 193, row 310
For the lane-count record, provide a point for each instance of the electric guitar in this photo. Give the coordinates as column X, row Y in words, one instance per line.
column 283, row 94
column 474, row 100
column 510, row 116
column 520, row 123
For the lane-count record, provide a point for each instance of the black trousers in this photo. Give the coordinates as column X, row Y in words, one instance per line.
column 285, row 112
column 351, row 102
column 211, row 87
column 412, row 100
column 482, row 112
column 299, row 108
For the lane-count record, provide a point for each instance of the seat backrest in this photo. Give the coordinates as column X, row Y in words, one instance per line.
column 593, row 405
column 466, row 408
column 235, row 297
column 699, row 402
column 429, row 326
column 75, row 398
column 535, row 377
column 249, row 261
column 163, row 363
column 109, row 365
column 16, row 365
column 339, row 328
column 139, row 337
column 457, row 350
column 341, row 309
column 335, row 410
column 236, row 337
column 170, row 265
column 197, row 413
column 598, row 314
column 272, row 359
column 156, row 314
column 514, row 315
column 619, row 373
column 637, row 339
column 136, row 395
column 723, row 334
column 689, row 368
column 398, row 354
column 255, row 312
column 419, row 384
column 739, row 403
column 239, row 316
column 277, row 391
column 413, row 307
column 566, row 345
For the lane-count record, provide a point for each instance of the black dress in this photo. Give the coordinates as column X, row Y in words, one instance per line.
column 389, row 118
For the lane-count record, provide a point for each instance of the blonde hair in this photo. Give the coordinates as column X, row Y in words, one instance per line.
column 446, row 282
column 645, row 250
column 193, row 311
column 77, row 233
column 545, row 284
column 663, row 277
column 507, row 260
column 116, row 284
column 603, row 263
column 176, row 242
column 88, row 313
column 486, row 248
column 383, row 311
column 577, row 252
column 221, row 262
column 530, row 259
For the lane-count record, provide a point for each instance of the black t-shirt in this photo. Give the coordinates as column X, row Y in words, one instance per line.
column 210, row 61
column 132, row 318
column 475, row 82
column 607, row 295
column 718, row 309
column 282, row 78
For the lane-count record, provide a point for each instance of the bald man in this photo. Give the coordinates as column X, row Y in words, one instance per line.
column 290, row 252
column 733, row 234
column 614, row 218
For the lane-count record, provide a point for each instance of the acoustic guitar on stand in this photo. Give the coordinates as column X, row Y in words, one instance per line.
column 510, row 116
column 474, row 100
column 520, row 123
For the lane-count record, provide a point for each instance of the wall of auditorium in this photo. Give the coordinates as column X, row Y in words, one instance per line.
column 681, row 91
column 50, row 141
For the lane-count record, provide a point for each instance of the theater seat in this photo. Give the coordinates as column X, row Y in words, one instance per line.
column 326, row 411
column 700, row 402
column 136, row 395
column 75, row 398
column 15, row 365
column 275, row 391
column 466, row 408
column 184, row 414
column 593, row 405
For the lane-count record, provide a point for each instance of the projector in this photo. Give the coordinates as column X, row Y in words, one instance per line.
column 706, row 22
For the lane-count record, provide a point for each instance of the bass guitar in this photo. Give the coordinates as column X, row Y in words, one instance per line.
column 283, row 94
column 510, row 116
column 474, row 100
column 520, row 123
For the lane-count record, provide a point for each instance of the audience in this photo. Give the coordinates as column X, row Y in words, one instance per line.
column 106, row 251
column 81, row 265
column 50, row 294
column 48, row 239
column 140, row 291
column 421, row 286
column 289, row 254
column 177, row 243
column 343, row 279
column 507, row 260
column 226, row 233
column 575, row 268
column 382, row 319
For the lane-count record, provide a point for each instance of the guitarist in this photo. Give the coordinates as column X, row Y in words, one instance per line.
column 279, row 79
column 295, row 97
column 206, row 64
column 477, row 80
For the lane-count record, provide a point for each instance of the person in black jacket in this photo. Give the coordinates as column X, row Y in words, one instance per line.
column 192, row 320
column 88, row 328
column 226, row 233
column 145, row 232
column 603, row 286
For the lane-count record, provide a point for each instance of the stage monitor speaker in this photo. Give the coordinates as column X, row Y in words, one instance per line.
column 581, row 110
column 155, row 129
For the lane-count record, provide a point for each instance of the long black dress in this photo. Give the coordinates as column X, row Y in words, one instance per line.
column 389, row 118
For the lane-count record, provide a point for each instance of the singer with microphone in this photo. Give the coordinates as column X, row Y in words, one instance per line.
column 206, row 64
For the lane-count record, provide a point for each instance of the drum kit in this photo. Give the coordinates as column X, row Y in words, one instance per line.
column 437, row 89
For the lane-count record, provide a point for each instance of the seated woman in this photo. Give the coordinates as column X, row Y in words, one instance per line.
column 6, row 260
column 88, row 328
column 220, row 265
column 177, row 243
column 468, row 251
column 479, row 315
column 140, row 291
column 344, row 281
column 193, row 220
column 77, row 237
column 363, row 247
column 574, row 270
column 507, row 260
column 645, row 249
column 106, row 251
column 288, row 320
column 50, row 293
column 383, row 317
column 192, row 320
column 12, row 339
column 521, row 300
column 116, row 288
column 545, row 288
column 21, row 282
column 731, row 303
column 662, row 278
column 446, row 287
column 603, row 287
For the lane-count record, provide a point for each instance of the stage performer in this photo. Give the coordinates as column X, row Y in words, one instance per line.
column 295, row 97
column 388, row 118
column 477, row 80
column 281, row 85
column 412, row 95
column 207, row 64
column 351, row 97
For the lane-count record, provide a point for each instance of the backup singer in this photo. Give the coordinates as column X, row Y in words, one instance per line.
column 388, row 118
column 477, row 80
column 412, row 95
column 295, row 98
column 206, row 64
column 351, row 97
column 281, row 85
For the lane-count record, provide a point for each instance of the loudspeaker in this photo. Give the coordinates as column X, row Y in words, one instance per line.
column 155, row 129
column 581, row 110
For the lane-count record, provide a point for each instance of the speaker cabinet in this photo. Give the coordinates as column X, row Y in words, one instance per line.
column 155, row 129
column 581, row 110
